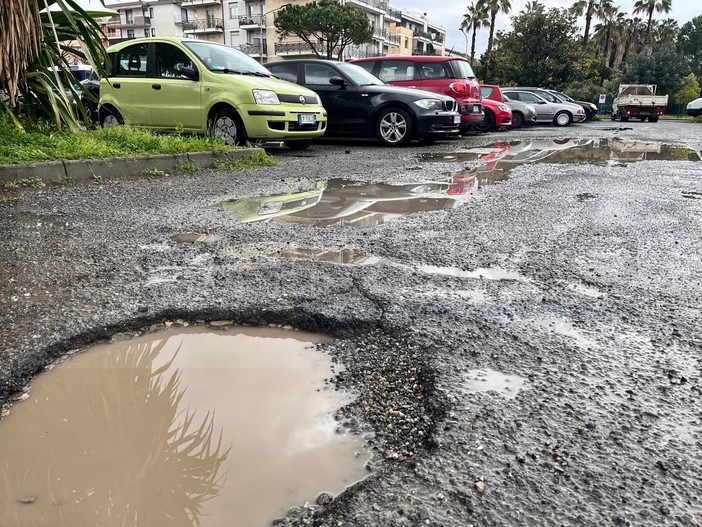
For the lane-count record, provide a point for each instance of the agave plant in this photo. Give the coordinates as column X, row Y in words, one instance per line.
column 38, row 39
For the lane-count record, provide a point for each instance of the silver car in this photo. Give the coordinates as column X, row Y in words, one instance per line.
column 522, row 113
column 558, row 113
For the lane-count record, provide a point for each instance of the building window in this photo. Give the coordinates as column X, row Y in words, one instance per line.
column 129, row 16
column 151, row 12
column 130, row 33
column 406, row 42
column 183, row 15
column 153, row 31
column 233, row 11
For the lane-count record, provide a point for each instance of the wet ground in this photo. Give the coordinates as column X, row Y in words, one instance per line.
column 517, row 313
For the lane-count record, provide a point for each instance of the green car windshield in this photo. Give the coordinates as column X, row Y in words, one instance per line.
column 225, row 59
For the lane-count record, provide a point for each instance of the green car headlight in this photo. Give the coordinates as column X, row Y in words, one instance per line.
column 265, row 97
column 429, row 104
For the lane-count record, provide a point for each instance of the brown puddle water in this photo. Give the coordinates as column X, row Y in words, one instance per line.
column 179, row 428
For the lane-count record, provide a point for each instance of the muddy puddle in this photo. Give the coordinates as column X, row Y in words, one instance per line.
column 339, row 201
column 179, row 428
column 501, row 157
column 487, row 380
column 190, row 237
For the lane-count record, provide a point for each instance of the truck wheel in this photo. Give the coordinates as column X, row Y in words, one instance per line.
column 623, row 117
column 653, row 119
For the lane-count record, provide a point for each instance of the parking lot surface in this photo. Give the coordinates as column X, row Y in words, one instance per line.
column 518, row 313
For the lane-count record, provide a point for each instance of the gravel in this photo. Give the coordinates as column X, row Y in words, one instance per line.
column 604, row 323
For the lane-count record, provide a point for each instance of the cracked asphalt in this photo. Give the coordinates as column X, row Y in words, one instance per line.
column 597, row 310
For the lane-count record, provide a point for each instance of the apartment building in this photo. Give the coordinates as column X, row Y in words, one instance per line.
column 250, row 26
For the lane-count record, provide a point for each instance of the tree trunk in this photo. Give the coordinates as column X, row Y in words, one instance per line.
column 619, row 53
column 648, row 46
column 488, row 52
column 472, row 46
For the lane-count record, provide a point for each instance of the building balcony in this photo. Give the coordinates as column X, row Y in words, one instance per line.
column 285, row 49
column 251, row 22
column 195, row 3
column 393, row 14
column 208, row 25
column 253, row 49
column 380, row 33
column 136, row 21
column 428, row 37
column 378, row 7
column 393, row 39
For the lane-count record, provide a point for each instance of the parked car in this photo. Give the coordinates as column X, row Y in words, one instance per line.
column 497, row 115
column 522, row 113
column 591, row 109
column 557, row 113
column 359, row 104
column 168, row 83
column 576, row 111
column 694, row 108
column 450, row 76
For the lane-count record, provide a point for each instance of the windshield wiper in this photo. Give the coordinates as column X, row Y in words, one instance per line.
column 240, row 72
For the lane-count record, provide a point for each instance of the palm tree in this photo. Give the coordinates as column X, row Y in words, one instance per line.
column 667, row 31
column 607, row 12
column 493, row 7
column 34, row 44
column 648, row 6
column 589, row 9
column 476, row 18
column 619, row 36
column 531, row 7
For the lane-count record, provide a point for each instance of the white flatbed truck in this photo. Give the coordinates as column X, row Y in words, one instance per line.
column 638, row 101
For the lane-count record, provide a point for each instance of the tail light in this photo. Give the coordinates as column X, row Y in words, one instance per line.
column 459, row 87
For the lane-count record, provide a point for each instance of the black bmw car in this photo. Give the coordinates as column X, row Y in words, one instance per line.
column 361, row 105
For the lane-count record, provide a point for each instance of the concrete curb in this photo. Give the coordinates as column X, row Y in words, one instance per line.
column 111, row 167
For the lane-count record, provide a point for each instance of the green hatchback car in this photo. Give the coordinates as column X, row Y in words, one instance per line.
column 201, row 87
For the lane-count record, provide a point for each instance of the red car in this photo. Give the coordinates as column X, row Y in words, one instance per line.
column 497, row 115
column 450, row 76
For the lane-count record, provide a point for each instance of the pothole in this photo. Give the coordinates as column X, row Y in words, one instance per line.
column 487, row 380
column 501, row 157
column 339, row 201
column 181, row 427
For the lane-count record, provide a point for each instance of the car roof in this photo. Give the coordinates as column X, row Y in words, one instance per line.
column 172, row 40
column 413, row 58
column 297, row 61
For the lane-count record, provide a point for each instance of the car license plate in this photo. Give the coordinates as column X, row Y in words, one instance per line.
column 456, row 119
column 306, row 118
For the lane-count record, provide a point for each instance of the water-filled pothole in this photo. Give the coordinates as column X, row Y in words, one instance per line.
column 501, row 158
column 486, row 273
column 487, row 380
column 185, row 427
column 191, row 237
column 348, row 202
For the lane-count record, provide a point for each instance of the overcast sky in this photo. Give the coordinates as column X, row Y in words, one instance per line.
column 449, row 14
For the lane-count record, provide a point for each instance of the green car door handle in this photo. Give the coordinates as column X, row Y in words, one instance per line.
column 117, row 85
column 156, row 86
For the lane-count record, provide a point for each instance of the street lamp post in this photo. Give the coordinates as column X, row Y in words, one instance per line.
column 263, row 23
column 465, row 35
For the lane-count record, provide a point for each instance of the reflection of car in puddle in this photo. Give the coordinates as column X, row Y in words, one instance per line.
column 342, row 201
column 502, row 157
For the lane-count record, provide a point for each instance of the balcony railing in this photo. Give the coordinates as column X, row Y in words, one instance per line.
column 188, row 3
column 394, row 38
column 208, row 24
column 380, row 32
column 136, row 21
column 284, row 48
column 255, row 20
column 394, row 13
column 433, row 37
column 253, row 50
column 378, row 4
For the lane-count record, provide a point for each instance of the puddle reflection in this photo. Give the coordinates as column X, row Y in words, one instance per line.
column 176, row 429
column 339, row 201
column 502, row 157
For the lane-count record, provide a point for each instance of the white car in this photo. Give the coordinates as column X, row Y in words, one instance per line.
column 694, row 108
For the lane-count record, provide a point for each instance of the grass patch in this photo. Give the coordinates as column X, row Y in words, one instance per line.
column 153, row 172
column 225, row 161
column 697, row 119
column 32, row 182
column 48, row 144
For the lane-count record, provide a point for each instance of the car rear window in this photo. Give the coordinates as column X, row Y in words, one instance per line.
column 396, row 70
column 284, row 70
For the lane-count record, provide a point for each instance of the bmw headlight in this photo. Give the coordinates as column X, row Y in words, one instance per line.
column 429, row 104
column 265, row 97
column 593, row 106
